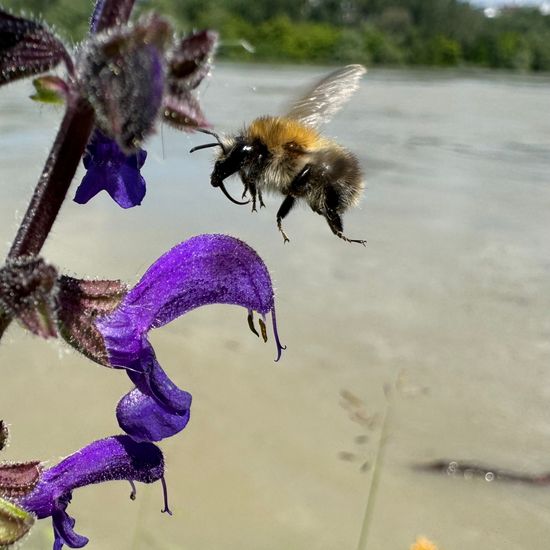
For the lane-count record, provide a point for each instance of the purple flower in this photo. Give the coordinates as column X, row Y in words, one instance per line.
column 131, row 74
column 126, row 105
column 207, row 269
column 110, row 169
column 113, row 458
column 155, row 77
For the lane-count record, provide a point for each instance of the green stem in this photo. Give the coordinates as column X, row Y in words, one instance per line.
column 376, row 473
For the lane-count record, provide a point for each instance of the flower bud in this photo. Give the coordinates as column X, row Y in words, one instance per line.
column 122, row 73
column 27, row 293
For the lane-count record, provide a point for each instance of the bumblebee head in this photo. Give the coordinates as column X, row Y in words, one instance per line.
column 233, row 155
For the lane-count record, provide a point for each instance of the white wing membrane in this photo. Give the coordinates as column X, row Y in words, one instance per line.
column 327, row 97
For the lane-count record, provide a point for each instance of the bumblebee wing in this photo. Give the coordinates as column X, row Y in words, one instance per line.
column 327, row 97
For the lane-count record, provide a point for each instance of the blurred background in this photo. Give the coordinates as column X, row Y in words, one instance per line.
column 486, row 33
column 449, row 304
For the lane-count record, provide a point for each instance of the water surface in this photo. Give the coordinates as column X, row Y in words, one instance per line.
column 451, row 297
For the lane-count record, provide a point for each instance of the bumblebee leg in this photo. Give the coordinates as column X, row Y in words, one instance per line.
column 262, row 205
column 284, row 209
column 296, row 188
column 335, row 223
column 250, row 187
column 253, row 195
column 334, row 219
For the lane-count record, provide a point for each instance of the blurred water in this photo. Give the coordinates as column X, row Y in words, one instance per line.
column 451, row 295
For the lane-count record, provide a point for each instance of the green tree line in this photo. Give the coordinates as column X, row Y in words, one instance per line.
column 373, row 32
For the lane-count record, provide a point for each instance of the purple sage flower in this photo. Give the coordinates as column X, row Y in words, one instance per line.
column 113, row 458
column 110, row 169
column 155, row 78
column 207, row 269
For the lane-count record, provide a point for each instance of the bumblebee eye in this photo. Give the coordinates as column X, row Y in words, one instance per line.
column 294, row 148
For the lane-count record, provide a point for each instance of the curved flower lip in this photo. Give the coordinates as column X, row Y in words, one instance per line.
column 143, row 418
column 110, row 169
column 113, row 458
column 207, row 269
column 109, row 459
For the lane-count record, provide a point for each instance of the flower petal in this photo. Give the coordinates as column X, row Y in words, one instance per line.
column 113, row 458
column 63, row 528
column 110, row 169
column 207, row 269
column 150, row 379
column 157, row 408
column 142, row 417
column 123, row 75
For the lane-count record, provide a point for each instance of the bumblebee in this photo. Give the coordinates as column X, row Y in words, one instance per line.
column 287, row 155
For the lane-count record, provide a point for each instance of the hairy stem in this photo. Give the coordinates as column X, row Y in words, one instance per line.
column 64, row 157
column 52, row 187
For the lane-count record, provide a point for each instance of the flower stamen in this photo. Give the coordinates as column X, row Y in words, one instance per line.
column 280, row 346
column 166, row 508
column 263, row 328
column 251, row 323
column 134, row 490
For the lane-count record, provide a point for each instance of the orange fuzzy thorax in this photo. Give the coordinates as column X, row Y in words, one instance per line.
column 275, row 132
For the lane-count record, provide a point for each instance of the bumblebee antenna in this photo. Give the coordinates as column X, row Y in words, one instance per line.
column 210, row 133
column 224, row 191
column 206, row 146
